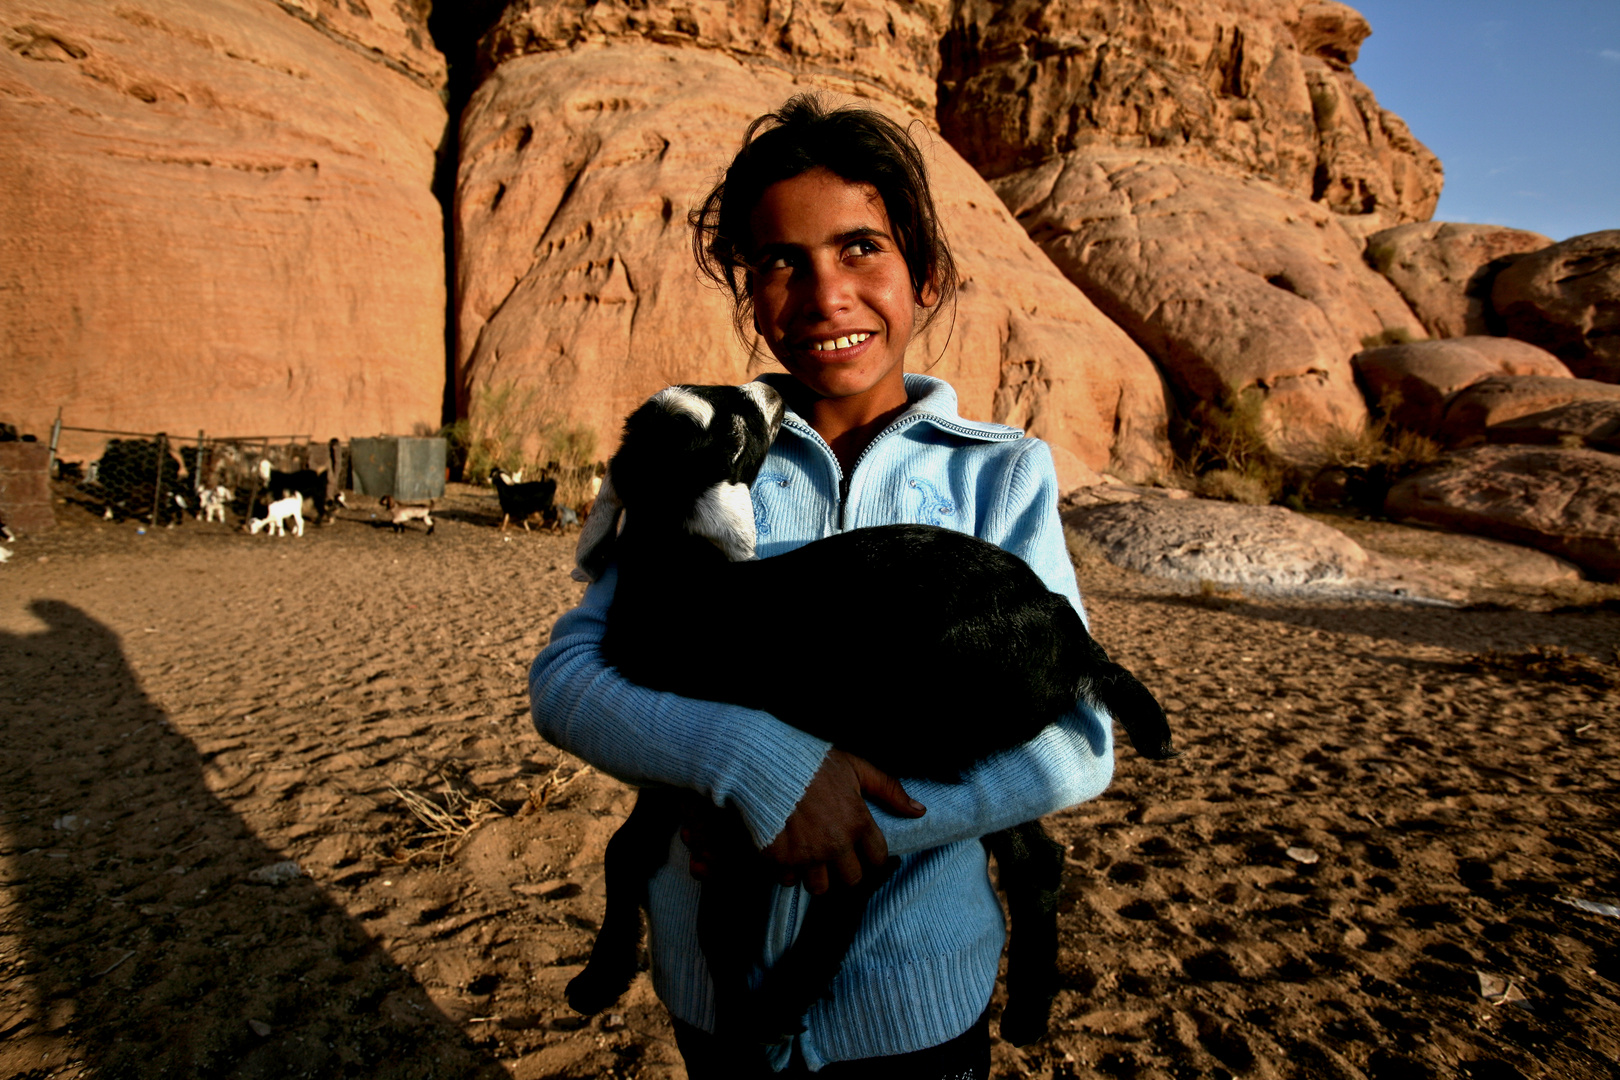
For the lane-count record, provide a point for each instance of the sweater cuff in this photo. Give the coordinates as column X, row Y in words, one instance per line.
column 767, row 765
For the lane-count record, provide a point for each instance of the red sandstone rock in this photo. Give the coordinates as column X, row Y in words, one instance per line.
column 1566, row 299
column 576, row 275
column 864, row 47
column 1411, row 383
column 219, row 216
column 1594, row 424
column 1562, row 501
column 1497, row 400
column 1446, row 270
column 1231, row 285
column 1248, row 87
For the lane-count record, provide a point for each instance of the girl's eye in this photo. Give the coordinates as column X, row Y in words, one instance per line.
column 862, row 247
column 776, row 262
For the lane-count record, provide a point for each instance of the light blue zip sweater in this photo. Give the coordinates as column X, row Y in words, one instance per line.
column 924, row 963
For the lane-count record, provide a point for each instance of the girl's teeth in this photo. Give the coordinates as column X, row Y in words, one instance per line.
column 840, row 343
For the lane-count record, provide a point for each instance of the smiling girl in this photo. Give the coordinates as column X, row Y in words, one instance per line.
column 825, row 235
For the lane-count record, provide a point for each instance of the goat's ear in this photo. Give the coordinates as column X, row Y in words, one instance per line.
column 596, row 538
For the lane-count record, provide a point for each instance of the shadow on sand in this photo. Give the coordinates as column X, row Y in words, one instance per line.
column 136, row 939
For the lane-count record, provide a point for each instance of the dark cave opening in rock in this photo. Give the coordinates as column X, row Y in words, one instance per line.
column 456, row 29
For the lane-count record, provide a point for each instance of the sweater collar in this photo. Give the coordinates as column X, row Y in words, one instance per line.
column 932, row 401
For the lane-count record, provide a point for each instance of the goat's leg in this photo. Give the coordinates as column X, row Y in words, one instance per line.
column 1031, row 870
column 732, row 916
column 804, row 974
column 634, row 854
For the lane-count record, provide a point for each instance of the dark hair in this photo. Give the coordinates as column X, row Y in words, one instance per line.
column 859, row 145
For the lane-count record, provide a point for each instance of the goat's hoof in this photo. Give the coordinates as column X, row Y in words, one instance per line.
column 591, row 990
column 1024, row 1026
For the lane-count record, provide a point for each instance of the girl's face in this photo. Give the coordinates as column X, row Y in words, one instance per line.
column 831, row 289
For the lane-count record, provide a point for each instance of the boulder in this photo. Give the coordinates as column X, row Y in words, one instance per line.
column 1566, row 298
column 1232, row 285
column 864, row 47
column 1562, row 501
column 1474, row 410
column 219, row 216
column 576, row 279
column 1263, row 548
column 1411, row 383
column 1595, row 424
column 1446, row 270
column 1248, row 87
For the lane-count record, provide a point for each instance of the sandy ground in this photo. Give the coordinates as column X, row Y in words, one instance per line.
column 1377, row 806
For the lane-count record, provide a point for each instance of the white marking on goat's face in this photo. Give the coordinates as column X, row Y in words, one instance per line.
column 739, row 431
column 680, row 399
column 724, row 515
column 768, row 401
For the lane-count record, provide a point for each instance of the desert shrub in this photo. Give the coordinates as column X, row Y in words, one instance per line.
column 1389, row 335
column 570, row 451
column 503, row 418
column 1234, row 486
column 1222, row 446
column 514, row 427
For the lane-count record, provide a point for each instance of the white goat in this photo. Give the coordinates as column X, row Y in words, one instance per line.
column 213, row 501
column 277, row 514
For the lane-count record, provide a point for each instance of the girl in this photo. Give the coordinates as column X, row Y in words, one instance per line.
column 824, row 233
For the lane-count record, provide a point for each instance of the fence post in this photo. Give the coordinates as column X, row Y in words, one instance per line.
column 258, row 480
column 157, row 485
column 56, row 436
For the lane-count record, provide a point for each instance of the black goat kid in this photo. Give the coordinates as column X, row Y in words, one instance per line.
column 521, row 501
column 1015, row 654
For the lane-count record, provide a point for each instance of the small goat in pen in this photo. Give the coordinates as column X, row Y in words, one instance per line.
column 399, row 513
column 213, row 501
column 276, row 516
column 308, row 484
column 1007, row 646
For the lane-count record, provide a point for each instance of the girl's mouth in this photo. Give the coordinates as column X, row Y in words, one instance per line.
column 833, row 344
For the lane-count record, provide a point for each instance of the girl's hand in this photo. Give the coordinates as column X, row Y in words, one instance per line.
column 831, row 833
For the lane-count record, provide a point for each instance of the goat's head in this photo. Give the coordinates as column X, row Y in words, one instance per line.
column 685, row 463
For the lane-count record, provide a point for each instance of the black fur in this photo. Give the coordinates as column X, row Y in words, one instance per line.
column 520, row 502
column 996, row 655
column 310, row 483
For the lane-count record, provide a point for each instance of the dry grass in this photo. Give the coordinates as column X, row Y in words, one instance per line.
column 516, row 429
column 445, row 818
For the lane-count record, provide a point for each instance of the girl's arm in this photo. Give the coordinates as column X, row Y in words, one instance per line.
column 1067, row 763
column 736, row 757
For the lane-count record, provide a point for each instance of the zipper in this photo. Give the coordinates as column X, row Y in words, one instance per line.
column 901, row 423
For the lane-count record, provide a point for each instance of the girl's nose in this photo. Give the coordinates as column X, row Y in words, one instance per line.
column 828, row 287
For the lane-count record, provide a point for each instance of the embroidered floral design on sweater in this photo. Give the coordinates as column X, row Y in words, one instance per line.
column 935, row 507
column 762, row 523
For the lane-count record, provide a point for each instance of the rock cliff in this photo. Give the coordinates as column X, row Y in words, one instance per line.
column 575, row 274
column 1249, row 87
column 1205, row 170
column 219, row 217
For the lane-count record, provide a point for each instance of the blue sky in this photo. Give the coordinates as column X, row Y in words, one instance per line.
column 1520, row 100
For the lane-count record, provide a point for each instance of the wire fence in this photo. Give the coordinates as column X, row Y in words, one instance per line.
column 160, row 478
